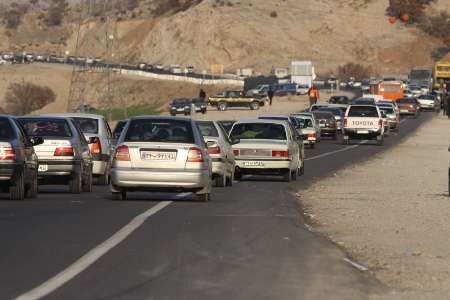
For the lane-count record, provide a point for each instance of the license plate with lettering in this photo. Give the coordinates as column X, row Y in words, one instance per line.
column 253, row 164
column 157, row 155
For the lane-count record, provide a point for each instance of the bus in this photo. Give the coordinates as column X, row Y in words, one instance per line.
column 442, row 74
column 422, row 77
column 387, row 90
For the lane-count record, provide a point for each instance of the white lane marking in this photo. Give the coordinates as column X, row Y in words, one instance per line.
column 91, row 257
column 356, row 265
column 335, row 151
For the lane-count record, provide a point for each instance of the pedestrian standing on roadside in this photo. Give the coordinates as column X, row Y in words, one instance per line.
column 313, row 94
column 202, row 94
column 444, row 103
column 270, row 94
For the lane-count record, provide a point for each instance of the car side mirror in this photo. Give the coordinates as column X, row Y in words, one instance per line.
column 235, row 141
column 93, row 140
column 37, row 140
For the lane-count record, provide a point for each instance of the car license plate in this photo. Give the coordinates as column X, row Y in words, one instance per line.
column 43, row 168
column 404, row 110
column 157, row 155
column 253, row 164
column 322, row 125
column 363, row 131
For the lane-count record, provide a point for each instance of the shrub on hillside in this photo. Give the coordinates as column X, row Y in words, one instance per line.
column 25, row 97
column 437, row 26
column 413, row 9
column 56, row 12
column 357, row 71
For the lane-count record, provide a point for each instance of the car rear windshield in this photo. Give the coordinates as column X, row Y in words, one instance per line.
column 118, row 129
column 406, row 100
column 304, row 122
column 263, row 131
column 180, row 101
column 387, row 110
column 363, row 111
column 160, row 130
column 334, row 111
column 6, row 131
column 323, row 115
column 46, row 127
column 87, row 125
column 208, row 129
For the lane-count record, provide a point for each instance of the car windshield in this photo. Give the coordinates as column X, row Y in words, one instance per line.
column 406, row 101
column 119, row 128
column 87, row 125
column 304, row 122
column 207, row 129
column 46, row 127
column 262, row 131
column 363, row 111
column 160, row 130
column 6, row 131
column 387, row 110
column 334, row 111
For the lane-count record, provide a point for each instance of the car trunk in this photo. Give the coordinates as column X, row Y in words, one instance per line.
column 159, row 155
column 259, row 149
column 48, row 148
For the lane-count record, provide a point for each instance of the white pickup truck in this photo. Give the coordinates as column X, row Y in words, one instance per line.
column 363, row 122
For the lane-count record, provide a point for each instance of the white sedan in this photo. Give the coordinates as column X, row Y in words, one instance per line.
column 266, row 147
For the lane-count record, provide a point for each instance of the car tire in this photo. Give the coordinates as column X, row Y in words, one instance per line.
column 294, row 175
column 287, row 176
column 301, row 170
column 75, row 184
column 220, row 180
column 204, row 197
column 104, row 179
column 32, row 190
column 230, row 180
column 204, row 112
column 380, row 141
column 237, row 176
column 346, row 141
column 334, row 136
column 119, row 196
column 312, row 146
column 222, row 106
column 17, row 190
column 254, row 105
column 87, row 183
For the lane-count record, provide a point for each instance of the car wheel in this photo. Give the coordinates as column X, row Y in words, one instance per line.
column 335, row 136
column 220, row 180
column 294, row 175
column 32, row 190
column 87, row 183
column 254, row 106
column 204, row 112
column 380, row 141
column 237, row 176
column 119, row 196
column 222, row 106
column 104, row 179
column 346, row 141
column 75, row 183
column 311, row 146
column 301, row 171
column 204, row 197
column 230, row 179
column 287, row 176
column 17, row 190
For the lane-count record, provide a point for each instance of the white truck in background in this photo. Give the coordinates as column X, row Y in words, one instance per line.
column 363, row 122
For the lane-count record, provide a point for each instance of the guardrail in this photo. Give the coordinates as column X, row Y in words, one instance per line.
column 182, row 78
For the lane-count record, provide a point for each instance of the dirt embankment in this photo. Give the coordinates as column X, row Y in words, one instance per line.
column 392, row 213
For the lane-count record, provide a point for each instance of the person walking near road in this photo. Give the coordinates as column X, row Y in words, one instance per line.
column 444, row 103
column 202, row 94
column 313, row 94
column 270, row 94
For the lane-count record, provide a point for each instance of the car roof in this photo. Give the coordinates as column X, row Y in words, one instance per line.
column 274, row 116
column 262, row 121
column 73, row 115
column 153, row 117
column 45, row 117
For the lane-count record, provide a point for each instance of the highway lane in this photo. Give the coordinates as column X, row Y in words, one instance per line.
column 248, row 242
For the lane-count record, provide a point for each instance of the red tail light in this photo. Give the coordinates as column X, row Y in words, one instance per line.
column 311, row 135
column 96, row 148
column 236, row 152
column 122, row 154
column 280, row 153
column 214, row 150
column 63, row 151
column 8, row 154
column 345, row 122
column 380, row 123
column 332, row 125
column 195, row 155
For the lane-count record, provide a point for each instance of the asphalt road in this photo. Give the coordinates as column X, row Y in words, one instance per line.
column 249, row 242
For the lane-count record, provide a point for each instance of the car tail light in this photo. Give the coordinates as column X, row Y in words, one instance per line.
column 96, row 148
column 311, row 135
column 63, row 151
column 345, row 122
column 8, row 154
column 280, row 153
column 214, row 150
column 380, row 123
column 332, row 125
column 236, row 152
column 195, row 155
column 122, row 154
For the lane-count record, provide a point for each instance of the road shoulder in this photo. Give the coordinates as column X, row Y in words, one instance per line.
column 391, row 213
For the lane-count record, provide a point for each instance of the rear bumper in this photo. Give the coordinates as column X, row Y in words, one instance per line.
column 356, row 133
column 218, row 167
column 58, row 167
column 257, row 165
column 427, row 106
column 328, row 131
column 99, row 164
column 7, row 171
column 153, row 179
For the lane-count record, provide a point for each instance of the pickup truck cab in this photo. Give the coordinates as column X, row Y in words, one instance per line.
column 363, row 122
column 235, row 99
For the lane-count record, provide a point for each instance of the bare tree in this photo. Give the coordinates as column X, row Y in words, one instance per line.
column 25, row 97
